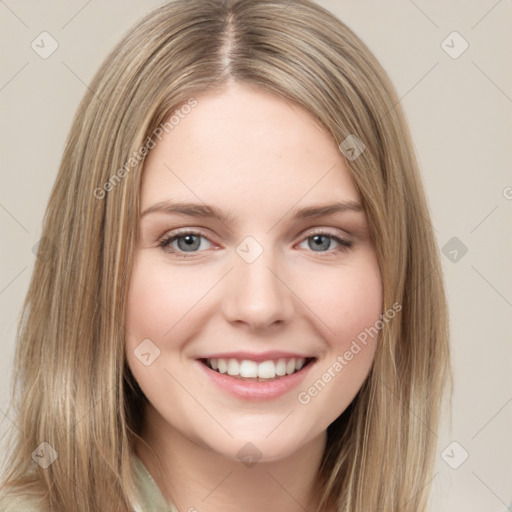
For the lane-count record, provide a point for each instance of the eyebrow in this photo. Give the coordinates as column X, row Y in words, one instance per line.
column 207, row 211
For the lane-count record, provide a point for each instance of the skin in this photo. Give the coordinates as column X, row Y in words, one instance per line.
column 258, row 157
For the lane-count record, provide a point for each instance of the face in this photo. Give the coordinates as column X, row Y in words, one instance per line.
column 254, row 275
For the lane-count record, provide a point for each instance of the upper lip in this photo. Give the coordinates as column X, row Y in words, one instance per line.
column 258, row 357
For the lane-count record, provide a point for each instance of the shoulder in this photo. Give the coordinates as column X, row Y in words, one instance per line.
column 150, row 495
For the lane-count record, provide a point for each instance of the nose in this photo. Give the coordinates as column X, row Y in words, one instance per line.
column 258, row 294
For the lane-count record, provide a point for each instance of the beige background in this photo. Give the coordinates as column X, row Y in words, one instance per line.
column 459, row 110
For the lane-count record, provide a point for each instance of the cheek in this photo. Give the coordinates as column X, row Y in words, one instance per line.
column 159, row 299
column 160, row 310
column 349, row 304
column 345, row 301
column 359, row 306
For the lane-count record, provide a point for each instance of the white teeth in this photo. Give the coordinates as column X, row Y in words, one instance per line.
column 223, row 365
column 267, row 370
column 281, row 367
column 248, row 369
column 233, row 367
column 251, row 369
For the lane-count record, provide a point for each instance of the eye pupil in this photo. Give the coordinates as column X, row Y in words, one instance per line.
column 321, row 241
column 192, row 242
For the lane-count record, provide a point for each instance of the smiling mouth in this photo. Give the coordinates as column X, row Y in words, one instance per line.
column 245, row 369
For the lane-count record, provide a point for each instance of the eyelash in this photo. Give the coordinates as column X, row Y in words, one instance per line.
column 166, row 241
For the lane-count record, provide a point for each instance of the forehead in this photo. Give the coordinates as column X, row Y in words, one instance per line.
column 247, row 147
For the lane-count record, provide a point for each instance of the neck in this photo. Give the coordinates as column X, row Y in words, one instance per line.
column 195, row 478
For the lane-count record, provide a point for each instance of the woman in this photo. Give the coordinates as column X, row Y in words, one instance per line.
column 253, row 366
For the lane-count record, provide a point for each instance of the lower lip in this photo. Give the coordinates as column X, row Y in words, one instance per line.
column 256, row 390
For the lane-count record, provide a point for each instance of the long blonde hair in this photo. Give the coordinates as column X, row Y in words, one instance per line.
column 72, row 387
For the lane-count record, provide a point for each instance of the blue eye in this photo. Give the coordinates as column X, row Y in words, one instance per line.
column 188, row 242
column 323, row 242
